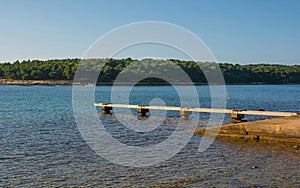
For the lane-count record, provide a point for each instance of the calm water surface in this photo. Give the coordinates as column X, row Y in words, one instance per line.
column 42, row 146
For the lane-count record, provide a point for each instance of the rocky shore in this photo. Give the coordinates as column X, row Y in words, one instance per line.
column 284, row 130
column 35, row 82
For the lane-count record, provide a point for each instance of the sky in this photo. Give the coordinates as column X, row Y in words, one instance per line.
column 236, row 31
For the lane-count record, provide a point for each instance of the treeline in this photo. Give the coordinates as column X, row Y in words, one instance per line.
column 64, row 69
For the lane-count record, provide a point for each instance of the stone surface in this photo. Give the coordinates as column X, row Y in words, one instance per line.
column 284, row 130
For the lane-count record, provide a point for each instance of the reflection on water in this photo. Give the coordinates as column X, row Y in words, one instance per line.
column 41, row 145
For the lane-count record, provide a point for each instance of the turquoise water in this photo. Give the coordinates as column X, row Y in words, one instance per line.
column 42, row 146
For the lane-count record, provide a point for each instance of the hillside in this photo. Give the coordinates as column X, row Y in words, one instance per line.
column 64, row 70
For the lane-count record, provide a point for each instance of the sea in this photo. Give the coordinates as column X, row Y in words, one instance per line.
column 43, row 146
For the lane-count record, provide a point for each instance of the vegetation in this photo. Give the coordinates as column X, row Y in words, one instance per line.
column 110, row 68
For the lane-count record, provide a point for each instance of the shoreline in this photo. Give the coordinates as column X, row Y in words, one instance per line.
column 35, row 82
column 280, row 130
column 70, row 83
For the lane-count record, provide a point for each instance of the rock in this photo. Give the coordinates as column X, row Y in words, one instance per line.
column 253, row 167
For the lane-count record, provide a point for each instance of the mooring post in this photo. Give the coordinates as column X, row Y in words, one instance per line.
column 237, row 117
column 142, row 110
column 185, row 114
column 106, row 109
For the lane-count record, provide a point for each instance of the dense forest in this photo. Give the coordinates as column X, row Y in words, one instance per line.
column 64, row 69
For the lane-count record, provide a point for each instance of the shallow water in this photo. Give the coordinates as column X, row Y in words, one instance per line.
column 42, row 146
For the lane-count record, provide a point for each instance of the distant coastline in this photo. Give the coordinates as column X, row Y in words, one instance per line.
column 70, row 83
column 35, row 82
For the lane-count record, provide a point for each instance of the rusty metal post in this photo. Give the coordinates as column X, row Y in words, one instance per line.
column 142, row 110
column 185, row 114
column 106, row 109
column 237, row 117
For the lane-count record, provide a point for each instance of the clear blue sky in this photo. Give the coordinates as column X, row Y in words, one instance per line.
column 238, row 31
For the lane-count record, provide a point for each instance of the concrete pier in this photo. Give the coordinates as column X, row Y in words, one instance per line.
column 185, row 112
column 284, row 130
